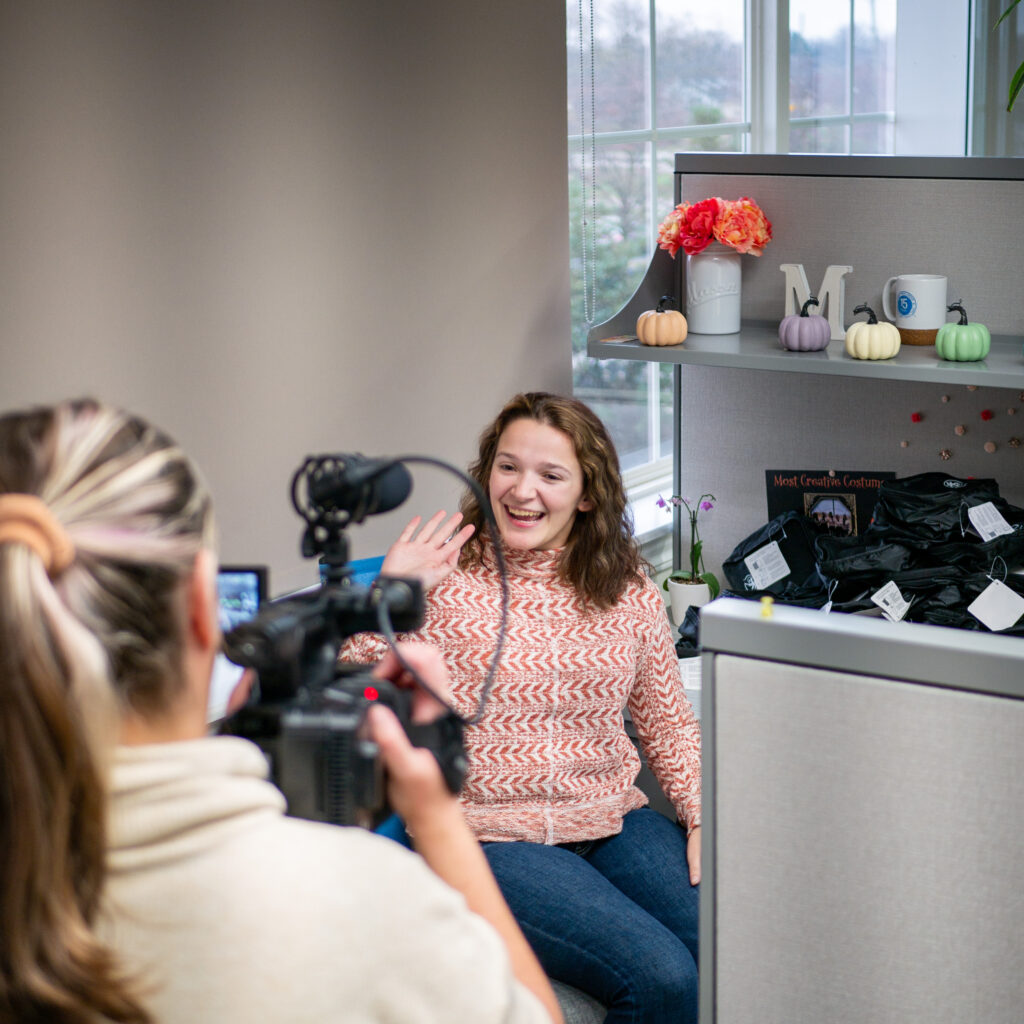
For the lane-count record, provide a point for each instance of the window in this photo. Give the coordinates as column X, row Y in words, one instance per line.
column 650, row 78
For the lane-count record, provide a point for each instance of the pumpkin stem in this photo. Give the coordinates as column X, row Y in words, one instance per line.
column 865, row 308
column 960, row 309
column 812, row 301
column 663, row 301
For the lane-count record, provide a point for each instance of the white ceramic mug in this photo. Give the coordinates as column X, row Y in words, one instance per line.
column 915, row 302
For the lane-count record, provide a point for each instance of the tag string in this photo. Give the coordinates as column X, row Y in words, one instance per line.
column 992, row 569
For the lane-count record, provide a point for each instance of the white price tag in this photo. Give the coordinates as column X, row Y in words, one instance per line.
column 767, row 565
column 987, row 521
column 997, row 606
column 893, row 604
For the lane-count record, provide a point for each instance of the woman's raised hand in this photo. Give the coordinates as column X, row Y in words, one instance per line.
column 430, row 553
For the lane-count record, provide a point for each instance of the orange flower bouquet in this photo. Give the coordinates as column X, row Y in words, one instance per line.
column 738, row 223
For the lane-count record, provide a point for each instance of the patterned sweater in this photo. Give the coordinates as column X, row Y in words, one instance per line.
column 550, row 762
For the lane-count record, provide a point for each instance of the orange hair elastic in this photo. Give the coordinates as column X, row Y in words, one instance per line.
column 26, row 519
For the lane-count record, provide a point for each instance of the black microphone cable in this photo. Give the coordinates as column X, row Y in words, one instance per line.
column 384, row 616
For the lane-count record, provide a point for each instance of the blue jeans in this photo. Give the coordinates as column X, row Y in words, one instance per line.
column 616, row 917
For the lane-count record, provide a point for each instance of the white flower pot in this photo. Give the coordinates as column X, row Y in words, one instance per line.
column 682, row 595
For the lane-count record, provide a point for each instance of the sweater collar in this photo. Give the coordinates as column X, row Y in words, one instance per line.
column 525, row 564
column 174, row 799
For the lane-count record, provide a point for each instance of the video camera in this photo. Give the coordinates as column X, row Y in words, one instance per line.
column 307, row 711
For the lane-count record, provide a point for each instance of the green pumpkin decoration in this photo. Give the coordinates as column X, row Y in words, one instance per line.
column 962, row 342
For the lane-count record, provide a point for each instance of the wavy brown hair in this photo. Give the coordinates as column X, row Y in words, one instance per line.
column 74, row 651
column 601, row 557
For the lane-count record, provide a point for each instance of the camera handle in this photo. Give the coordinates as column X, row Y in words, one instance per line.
column 443, row 738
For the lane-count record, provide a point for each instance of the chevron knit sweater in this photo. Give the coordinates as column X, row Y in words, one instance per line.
column 551, row 762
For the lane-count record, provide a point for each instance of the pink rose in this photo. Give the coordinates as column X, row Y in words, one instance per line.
column 743, row 226
column 698, row 225
column 668, row 231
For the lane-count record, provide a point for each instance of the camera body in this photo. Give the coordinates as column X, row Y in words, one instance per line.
column 330, row 770
column 307, row 711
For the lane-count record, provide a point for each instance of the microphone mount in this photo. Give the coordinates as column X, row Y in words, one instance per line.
column 330, row 492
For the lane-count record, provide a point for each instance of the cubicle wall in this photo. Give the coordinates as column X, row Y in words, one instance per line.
column 862, row 844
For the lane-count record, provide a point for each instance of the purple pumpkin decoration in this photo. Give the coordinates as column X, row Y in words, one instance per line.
column 804, row 333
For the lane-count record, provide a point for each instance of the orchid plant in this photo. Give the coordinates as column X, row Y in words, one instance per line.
column 696, row 572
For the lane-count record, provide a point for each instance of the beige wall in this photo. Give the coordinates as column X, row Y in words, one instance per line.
column 285, row 227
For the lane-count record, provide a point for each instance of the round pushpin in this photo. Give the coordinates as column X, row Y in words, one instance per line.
column 767, row 607
column 960, row 430
column 945, row 398
column 904, row 444
column 990, row 446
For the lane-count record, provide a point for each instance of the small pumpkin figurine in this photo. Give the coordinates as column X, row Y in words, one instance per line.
column 962, row 342
column 869, row 339
column 661, row 326
column 802, row 332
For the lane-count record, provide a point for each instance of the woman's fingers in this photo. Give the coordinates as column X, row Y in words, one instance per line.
column 429, row 533
column 410, row 528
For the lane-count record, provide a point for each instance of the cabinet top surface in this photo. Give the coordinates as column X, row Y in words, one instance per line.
column 757, row 347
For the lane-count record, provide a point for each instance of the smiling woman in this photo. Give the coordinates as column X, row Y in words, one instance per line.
column 551, row 791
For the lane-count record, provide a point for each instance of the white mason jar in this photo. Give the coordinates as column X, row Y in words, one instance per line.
column 713, row 279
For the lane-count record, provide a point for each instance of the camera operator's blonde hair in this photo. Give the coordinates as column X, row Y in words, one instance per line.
column 103, row 634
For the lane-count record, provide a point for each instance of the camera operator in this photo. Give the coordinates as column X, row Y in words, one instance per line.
column 147, row 870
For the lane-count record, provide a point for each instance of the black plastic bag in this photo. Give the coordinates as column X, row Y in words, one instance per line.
column 853, row 565
column 795, row 535
column 943, row 607
column 970, row 552
column 926, row 509
column 689, row 633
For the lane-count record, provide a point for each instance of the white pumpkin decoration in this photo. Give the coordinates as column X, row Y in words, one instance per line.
column 869, row 339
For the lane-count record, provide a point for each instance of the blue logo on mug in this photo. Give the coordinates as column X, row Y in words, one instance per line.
column 906, row 304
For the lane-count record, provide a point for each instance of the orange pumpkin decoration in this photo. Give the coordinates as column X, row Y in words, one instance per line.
column 661, row 326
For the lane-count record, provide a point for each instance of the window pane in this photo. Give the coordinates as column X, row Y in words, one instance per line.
column 818, row 56
column 619, row 213
column 874, row 58
column 665, row 410
column 616, row 390
column 699, row 68
column 873, row 138
column 621, row 72
column 831, row 138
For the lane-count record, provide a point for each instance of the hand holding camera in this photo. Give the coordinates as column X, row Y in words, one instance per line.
column 416, row 785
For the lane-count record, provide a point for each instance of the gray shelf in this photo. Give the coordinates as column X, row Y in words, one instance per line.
column 756, row 347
